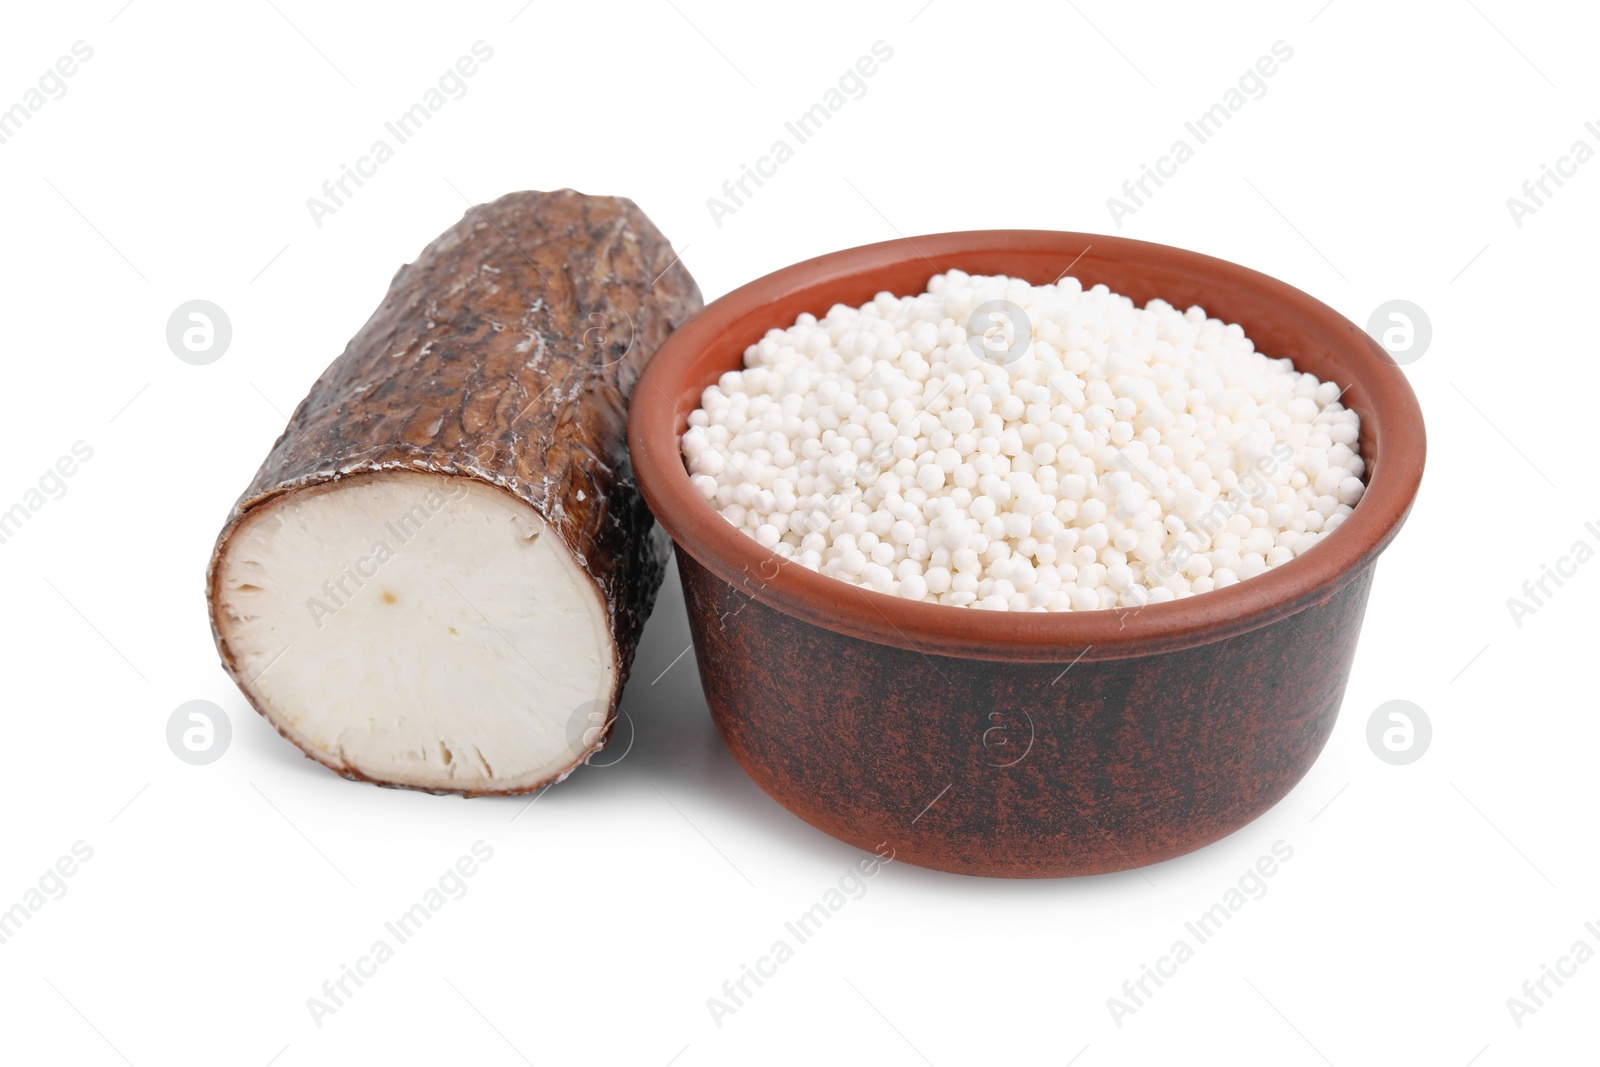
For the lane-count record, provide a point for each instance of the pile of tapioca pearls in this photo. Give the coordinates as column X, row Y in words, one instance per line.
column 1074, row 452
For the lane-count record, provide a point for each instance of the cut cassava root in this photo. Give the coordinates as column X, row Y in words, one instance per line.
column 438, row 577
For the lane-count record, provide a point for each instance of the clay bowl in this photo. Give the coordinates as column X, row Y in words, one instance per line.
column 1025, row 744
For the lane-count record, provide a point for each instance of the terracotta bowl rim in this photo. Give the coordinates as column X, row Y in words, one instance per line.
column 664, row 396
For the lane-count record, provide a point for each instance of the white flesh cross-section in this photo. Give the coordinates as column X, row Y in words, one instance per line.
column 420, row 630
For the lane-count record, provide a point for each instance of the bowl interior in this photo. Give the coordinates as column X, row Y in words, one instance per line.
column 1281, row 320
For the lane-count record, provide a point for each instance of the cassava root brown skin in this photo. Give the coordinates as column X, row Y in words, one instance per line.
column 504, row 356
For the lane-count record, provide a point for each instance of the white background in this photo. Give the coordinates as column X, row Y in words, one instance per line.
column 219, row 898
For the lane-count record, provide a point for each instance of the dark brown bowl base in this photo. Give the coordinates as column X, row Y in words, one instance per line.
column 1044, row 769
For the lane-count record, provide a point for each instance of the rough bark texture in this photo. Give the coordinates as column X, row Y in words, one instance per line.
column 506, row 353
